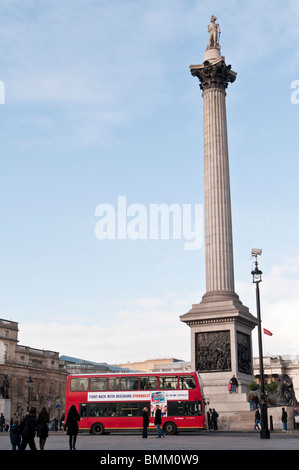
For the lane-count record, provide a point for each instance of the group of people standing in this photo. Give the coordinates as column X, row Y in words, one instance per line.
column 233, row 385
column 158, row 422
column 23, row 434
column 212, row 417
column 253, row 401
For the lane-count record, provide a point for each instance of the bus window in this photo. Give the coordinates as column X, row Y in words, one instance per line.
column 133, row 408
column 184, row 408
column 168, row 382
column 129, row 383
column 79, row 384
column 187, row 382
column 97, row 383
column 98, row 409
column 83, row 410
column 148, row 383
column 193, row 409
column 128, row 409
column 113, row 383
column 114, row 409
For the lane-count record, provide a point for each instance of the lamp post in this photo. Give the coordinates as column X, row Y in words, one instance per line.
column 29, row 385
column 257, row 278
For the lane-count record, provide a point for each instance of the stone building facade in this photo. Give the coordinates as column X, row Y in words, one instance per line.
column 46, row 369
column 19, row 363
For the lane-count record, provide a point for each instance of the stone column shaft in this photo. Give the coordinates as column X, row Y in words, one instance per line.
column 218, row 224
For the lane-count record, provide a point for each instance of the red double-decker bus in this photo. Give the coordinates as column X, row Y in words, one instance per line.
column 114, row 402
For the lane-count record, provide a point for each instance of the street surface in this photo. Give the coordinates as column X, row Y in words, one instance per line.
column 205, row 441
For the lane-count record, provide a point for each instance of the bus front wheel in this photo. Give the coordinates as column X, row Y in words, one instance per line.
column 97, row 429
column 170, row 428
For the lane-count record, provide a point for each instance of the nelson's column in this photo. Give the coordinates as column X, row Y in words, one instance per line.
column 220, row 324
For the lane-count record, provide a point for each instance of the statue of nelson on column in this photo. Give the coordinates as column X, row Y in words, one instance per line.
column 214, row 34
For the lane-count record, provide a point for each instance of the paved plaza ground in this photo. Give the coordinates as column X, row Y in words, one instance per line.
column 197, row 442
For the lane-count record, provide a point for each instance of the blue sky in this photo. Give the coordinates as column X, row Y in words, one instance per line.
column 100, row 103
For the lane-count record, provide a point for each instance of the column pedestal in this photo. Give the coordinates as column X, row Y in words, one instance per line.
column 221, row 343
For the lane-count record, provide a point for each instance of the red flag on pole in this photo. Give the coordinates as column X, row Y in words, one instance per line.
column 267, row 332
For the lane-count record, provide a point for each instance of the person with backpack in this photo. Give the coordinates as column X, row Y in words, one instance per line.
column 15, row 436
column 28, row 430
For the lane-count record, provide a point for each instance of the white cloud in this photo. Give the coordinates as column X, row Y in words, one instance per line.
column 279, row 298
column 143, row 328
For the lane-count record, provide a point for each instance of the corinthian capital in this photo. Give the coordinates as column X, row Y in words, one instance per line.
column 213, row 75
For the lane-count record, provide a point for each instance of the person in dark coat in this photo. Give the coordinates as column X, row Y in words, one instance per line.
column 295, row 418
column 72, row 426
column 2, row 422
column 214, row 419
column 257, row 417
column 42, row 427
column 15, row 436
column 234, row 383
column 158, row 422
column 284, row 419
column 210, row 422
column 28, row 430
column 145, row 422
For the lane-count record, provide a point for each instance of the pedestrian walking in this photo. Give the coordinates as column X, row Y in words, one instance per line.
column 28, row 430
column 284, row 419
column 15, row 436
column 42, row 427
column 234, row 383
column 210, row 422
column 72, row 426
column 145, row 422
column 296, row 418
column 61, row 422
column 257, row 417
column 158, row 422
column 214, row 419
column 2, row 422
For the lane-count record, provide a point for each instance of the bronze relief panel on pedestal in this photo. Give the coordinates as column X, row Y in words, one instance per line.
column 213, row 351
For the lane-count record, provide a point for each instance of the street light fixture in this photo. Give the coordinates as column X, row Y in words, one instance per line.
column 29, row 385
column 257, row 278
